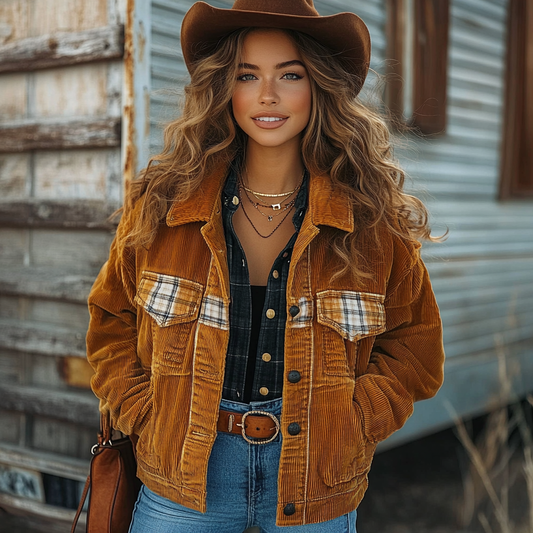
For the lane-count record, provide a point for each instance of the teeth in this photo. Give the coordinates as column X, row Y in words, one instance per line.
column 269, row 119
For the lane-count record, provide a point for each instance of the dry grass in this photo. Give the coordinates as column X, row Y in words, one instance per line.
column 494, row 471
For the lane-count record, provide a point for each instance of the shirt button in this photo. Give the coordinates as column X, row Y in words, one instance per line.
column 286, row 254
column 263, row 391
column 294, row 428
column 289, row 509
column 270, row 313
column 235, row 200
column 266, row 357
column 294, row 376
column 275, row 274
column 294, row 310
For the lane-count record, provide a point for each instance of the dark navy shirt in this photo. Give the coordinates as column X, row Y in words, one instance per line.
column 268, row 373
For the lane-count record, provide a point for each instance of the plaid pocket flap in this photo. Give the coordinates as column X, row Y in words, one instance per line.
column 169, row 299
column 352, row 314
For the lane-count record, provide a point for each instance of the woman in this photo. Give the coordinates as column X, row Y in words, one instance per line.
column 264, row 318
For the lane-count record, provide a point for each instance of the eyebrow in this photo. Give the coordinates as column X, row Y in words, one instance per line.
column 279, row 66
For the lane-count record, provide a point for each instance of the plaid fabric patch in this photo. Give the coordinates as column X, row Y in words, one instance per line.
column 214, row 312
column 352, row 314
column 305, row 316
column 168, row 299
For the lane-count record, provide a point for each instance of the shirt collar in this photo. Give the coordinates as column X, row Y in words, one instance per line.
column 327, row 205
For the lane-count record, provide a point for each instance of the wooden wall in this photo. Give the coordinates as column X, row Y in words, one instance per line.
column 61, row 85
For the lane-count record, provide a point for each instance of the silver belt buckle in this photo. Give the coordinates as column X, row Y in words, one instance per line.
column 266, row 441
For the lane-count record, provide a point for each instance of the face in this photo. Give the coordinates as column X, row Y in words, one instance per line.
column 272, row 97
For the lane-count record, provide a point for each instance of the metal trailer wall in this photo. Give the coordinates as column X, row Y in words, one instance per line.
column 483, row 273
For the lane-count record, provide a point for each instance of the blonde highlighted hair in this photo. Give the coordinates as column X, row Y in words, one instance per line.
column 344, row 138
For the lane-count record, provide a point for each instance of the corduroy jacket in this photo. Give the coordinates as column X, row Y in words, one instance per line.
column 365, row 351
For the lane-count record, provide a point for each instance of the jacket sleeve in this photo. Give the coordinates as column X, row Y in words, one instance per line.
column 407, row 360
column 119, row 380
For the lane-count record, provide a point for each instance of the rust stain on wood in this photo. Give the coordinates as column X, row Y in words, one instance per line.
column 76, row 372
column 130, row 152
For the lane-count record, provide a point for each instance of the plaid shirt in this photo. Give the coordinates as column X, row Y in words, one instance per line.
column 268, row 373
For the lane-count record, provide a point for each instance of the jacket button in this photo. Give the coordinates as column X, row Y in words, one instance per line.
column 294, row 429
column 289, row 509
column 294, row 376
column 294, row 310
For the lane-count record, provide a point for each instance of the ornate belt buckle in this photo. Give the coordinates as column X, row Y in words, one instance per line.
column 243, row 429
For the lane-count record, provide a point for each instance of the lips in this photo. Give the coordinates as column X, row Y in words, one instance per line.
column 269, row 120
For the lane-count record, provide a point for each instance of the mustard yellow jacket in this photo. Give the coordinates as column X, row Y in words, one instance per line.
column 366, row 351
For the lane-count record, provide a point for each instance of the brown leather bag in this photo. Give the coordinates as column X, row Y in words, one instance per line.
column 112, row 482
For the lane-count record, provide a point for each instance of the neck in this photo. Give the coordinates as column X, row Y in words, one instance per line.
column 272, row 170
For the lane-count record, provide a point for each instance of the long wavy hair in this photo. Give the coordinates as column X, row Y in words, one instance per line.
column 344, row 138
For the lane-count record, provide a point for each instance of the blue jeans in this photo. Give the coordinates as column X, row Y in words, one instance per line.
column 242, row 491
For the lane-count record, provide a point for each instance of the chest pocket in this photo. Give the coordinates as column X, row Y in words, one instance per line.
column 174, row 304
column 349, row 316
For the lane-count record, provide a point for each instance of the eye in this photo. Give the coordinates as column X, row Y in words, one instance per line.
column 246, row 77
column 292, row 76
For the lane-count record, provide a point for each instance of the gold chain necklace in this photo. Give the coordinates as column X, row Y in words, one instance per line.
column 256, row 230
column 281, row 209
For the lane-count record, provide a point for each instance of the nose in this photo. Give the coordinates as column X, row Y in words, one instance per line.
column 268, row 94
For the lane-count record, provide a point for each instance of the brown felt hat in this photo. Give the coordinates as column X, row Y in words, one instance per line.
column 345, row 34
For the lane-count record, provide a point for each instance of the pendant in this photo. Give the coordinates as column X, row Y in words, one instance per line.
column 270, row 218
column 276, row 207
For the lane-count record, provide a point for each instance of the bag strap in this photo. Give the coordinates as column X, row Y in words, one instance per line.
column 104, row 437
column 82, row 501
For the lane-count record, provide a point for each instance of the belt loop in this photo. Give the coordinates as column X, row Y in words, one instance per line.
column 231, row 419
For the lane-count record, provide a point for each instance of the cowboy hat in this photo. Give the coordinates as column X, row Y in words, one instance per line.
column 345, row 34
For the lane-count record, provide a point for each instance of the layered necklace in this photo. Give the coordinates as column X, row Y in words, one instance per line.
column 279, row 207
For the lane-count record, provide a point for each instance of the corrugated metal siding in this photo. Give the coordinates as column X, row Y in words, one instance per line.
column 483, row 273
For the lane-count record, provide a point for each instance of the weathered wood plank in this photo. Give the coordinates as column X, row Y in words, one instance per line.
column 14, row 247
column 13, row 96
column 63, row 48
column 42, row 282
column 90, row 133
column 19, row 505
column 75, row 91
column 46, row 462
column 80, row 408
column 41, row 338
column 14, row 174
column 86, row 214
column 79, row 250
column 11, row 428
column 65, row 438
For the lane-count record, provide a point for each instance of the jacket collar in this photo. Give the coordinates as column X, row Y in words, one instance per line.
column 327, row 206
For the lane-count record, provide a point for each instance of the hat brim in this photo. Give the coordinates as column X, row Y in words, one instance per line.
column 345, row 34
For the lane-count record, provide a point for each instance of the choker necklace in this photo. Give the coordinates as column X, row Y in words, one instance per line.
column 266, row 195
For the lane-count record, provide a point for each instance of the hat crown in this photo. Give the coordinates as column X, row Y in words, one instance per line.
column 300, row 8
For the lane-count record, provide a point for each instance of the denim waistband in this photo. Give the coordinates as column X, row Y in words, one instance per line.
column 270, row 406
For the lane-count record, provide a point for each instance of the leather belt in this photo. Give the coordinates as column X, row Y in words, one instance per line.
column 251, row 425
